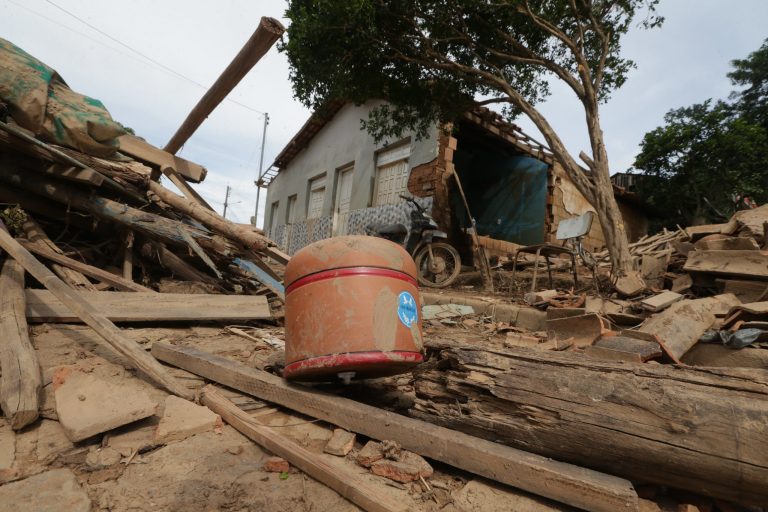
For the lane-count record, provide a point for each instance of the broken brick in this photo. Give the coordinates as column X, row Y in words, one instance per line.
column 340, row 443
column 407, row 468
column 276, row 465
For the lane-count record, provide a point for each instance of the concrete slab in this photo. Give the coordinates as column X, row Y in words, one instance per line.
column 52, row 491
column 182, row 419
column 7, row 446
column 87, row 405
column 51, row 441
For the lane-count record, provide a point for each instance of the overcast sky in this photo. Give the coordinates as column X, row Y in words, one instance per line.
column 178, row 47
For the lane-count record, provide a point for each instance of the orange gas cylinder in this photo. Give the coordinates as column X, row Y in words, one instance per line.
column 351, row 310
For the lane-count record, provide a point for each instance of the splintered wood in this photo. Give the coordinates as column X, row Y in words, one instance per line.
column 702, row 430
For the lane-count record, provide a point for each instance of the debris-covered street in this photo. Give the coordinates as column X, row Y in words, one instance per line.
column 463, row 320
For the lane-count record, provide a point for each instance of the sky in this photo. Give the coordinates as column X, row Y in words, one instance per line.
column 150, row 61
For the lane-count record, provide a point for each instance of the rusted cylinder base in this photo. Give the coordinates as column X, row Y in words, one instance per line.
column 361, row 364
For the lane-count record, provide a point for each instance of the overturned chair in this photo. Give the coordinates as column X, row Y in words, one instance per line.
column 570, row 231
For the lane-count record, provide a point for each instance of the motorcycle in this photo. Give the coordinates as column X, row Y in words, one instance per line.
column 438, row 263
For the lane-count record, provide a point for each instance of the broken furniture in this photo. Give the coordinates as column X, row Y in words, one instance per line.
column 569, row 231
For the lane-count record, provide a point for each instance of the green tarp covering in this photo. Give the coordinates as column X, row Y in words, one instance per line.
column 39, row 100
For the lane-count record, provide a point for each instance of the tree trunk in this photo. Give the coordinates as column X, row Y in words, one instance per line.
column 703, row 430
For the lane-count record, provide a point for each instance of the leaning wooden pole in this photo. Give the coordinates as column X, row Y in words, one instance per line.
column 268, row 31
column 20, row 382
column 98, row 322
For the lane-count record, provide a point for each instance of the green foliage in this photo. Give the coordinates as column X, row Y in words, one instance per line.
column 752, row 74
column 709, row 155
column 431, row 59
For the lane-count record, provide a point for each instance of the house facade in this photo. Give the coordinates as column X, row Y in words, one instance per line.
column 333, row 179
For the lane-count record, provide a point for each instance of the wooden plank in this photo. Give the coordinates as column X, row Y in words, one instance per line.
column 729, row 243
column 136, row 355
column 660, row 301
column 43, row 306
column 102, row 275
column 749, row 264
column 146, row 152
column 347, row 483
column 696, row 232
column 563, row 482
column 680, row 326
column 20, row 381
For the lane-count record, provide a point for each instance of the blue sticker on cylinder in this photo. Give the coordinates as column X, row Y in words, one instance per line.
column 407, row 310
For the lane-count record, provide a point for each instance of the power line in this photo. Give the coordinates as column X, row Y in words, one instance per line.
column 150, row 59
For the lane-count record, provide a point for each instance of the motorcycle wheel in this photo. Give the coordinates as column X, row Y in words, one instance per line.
column 442, row 270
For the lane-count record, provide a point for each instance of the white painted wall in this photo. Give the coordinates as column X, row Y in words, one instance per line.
column 339, row 143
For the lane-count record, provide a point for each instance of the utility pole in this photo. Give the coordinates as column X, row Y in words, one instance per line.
column 226, row 202
column 261, row 166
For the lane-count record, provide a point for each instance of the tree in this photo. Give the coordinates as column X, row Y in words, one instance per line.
column 434, row 59
column 752, row 73
column 703, row 159
column 709, row 155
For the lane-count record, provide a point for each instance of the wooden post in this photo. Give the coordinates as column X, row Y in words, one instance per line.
column 268, row 31
column 98, row 322
column 338, row 478
column 20, row 382
column 580, row 487
column 482, row 260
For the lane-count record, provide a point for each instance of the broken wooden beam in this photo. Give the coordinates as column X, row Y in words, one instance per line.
column 268, row 31
column 570, row 484
column 106, row 329
column 701, row 430
column 20, row 381
column 249, row 238
column 102, row 275
column 347, row 483
column 146, row 152
column 43, row 306
column 154, row 226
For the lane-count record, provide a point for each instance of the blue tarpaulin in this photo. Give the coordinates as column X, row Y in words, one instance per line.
column 507, row 194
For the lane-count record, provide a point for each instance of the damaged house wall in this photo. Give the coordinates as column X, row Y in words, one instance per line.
column 338, row 145
column 515, row 191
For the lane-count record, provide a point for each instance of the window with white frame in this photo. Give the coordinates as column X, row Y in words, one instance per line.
column 273, row 218
column 391, row 175
column 316, row 198
column 290, row 211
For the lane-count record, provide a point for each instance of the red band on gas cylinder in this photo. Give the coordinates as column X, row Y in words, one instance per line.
column 347, row 272
column 352, row 359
